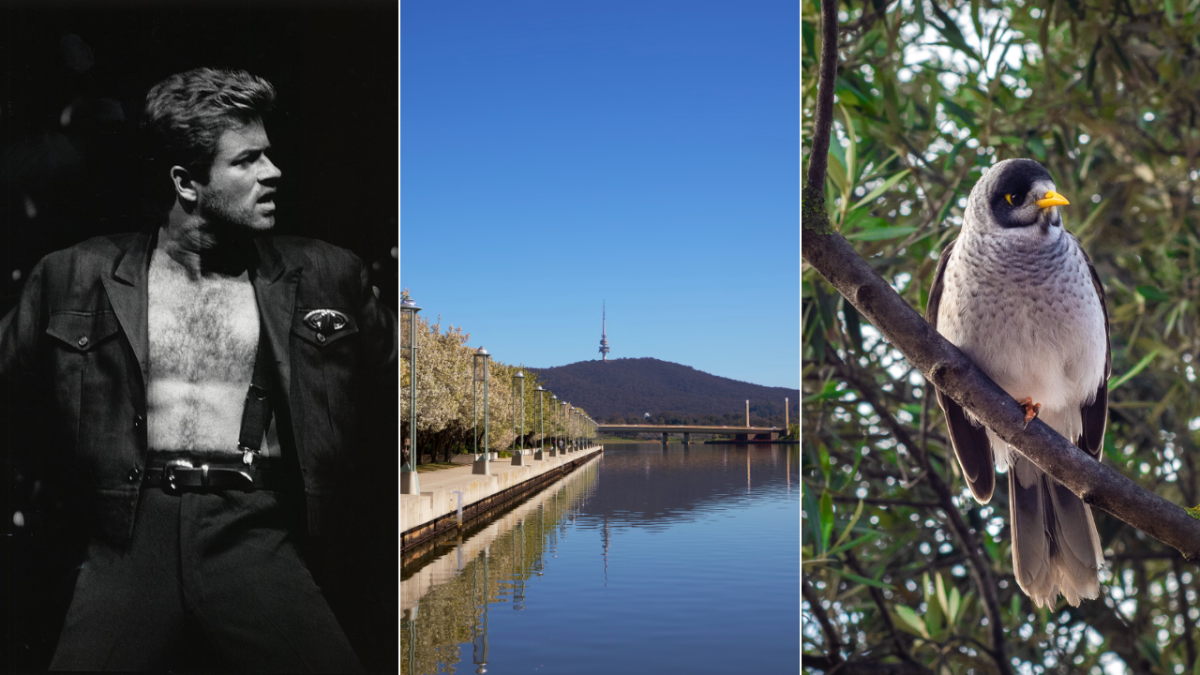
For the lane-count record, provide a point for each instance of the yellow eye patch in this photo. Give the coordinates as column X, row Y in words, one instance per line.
column 1009, row 198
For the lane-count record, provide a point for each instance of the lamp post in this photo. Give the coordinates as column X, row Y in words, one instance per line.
column 541, row 452
column 409, row 483
column 518, row 458
column 479, row 371
column 567, row 419
column 554, row 443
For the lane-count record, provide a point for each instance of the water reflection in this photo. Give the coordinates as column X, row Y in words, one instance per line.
column 692, row 535
column 445, row 602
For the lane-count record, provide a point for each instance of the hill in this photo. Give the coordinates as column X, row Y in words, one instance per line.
column 625, row 389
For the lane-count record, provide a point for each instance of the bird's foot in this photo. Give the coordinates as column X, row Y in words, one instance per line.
column 1031, row 409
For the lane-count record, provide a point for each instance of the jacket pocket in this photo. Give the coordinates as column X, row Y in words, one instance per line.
column 82, row 331
column 336, row 328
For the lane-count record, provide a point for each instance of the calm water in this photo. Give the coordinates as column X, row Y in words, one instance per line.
column 643, row 561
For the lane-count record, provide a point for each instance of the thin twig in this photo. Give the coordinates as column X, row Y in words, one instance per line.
column 833, row 638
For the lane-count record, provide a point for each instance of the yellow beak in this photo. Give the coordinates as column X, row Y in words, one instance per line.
column 1052, row 198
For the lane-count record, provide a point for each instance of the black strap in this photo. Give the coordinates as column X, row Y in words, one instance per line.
column 256, row 415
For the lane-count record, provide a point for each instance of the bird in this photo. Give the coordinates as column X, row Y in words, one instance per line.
column 1018, row 295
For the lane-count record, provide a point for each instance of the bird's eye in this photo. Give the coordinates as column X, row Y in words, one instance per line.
column 1009, row 198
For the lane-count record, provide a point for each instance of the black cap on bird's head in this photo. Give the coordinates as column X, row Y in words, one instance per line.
column 1016, row 193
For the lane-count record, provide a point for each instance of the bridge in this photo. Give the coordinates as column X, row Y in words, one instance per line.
column 739, row 433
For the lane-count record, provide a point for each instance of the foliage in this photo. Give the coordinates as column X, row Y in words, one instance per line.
column 928, row 95
column 446, row 407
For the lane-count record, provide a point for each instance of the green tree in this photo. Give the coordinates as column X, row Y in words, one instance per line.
column 928, row 94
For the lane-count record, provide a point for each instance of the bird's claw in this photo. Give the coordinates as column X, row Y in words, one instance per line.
column 1031, row 409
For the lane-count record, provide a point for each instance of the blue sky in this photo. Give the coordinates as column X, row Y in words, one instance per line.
column 555, row 155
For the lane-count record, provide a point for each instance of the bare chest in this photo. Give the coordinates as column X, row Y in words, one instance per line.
column 201, row 330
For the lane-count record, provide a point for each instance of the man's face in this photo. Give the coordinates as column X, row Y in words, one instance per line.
column 240, row 191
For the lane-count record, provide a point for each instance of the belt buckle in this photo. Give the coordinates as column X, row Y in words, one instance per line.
column 168, row 478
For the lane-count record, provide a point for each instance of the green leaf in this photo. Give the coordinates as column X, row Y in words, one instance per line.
column 989, row 545
column 810, row 508
column 933, row 610
column 1114, row 383
column 843, row 88
column 1014, row 609
column 955, row 605
column 869, row 582
column 967, row 117
column 1152, row 294
column 826, row 465
column 836, row 171
column 853, row 544
column 851, row 153
column 1193, row 511
column 826, row 515
column 910, row 619
column 951, row 32
column 1110, row 449
column 881, row 234
column 849, row 527
column 943, row 599
column 881, row 188
column 1038, row 147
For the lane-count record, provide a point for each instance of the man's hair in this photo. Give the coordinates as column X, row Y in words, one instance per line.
column 186, row 114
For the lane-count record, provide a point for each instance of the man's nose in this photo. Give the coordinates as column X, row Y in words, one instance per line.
column 270, row 172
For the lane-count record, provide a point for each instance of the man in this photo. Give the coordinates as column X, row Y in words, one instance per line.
column 209, row 383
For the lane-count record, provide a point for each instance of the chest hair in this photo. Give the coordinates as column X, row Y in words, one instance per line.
column 201, row 330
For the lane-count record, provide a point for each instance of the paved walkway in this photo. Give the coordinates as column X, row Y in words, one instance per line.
column 437, row 498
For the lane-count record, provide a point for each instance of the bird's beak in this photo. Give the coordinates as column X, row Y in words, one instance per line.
column 1052, row 198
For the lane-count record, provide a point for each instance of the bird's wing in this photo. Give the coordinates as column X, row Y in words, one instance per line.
column 970, row 441
column 1095, row 414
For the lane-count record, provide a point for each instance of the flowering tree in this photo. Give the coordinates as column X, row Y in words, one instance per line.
column 445, row 403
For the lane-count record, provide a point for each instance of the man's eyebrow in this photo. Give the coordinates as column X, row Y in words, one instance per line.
column 251, row 151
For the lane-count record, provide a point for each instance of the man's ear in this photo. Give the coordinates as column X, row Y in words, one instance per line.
column 185, row 187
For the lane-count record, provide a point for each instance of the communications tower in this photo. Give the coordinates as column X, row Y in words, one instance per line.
column 603, row 334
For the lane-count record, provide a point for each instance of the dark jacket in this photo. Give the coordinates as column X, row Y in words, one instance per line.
column 80, row 327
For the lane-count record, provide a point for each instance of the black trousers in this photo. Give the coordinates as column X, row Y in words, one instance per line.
column 215, row 574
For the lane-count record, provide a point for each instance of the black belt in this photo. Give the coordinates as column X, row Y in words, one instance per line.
column 181, row 474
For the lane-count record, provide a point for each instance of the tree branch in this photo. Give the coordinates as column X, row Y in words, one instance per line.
column 833, row 638
column 956, row 376
column 812, row 199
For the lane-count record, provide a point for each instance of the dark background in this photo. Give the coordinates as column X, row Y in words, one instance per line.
column 73, row 79
column 72, row 83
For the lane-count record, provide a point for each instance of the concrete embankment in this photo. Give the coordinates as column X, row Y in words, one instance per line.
column 435, row 510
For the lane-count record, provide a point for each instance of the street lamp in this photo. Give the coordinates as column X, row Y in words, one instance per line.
column 479, row 371
column 566, row 426
column 519, row 455
column 554, row 443
column 409, row 484
column 540, row 454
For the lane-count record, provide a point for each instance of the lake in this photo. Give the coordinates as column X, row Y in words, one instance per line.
column 644, row 560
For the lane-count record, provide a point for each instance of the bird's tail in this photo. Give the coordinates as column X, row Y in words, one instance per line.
column 1055, row 546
